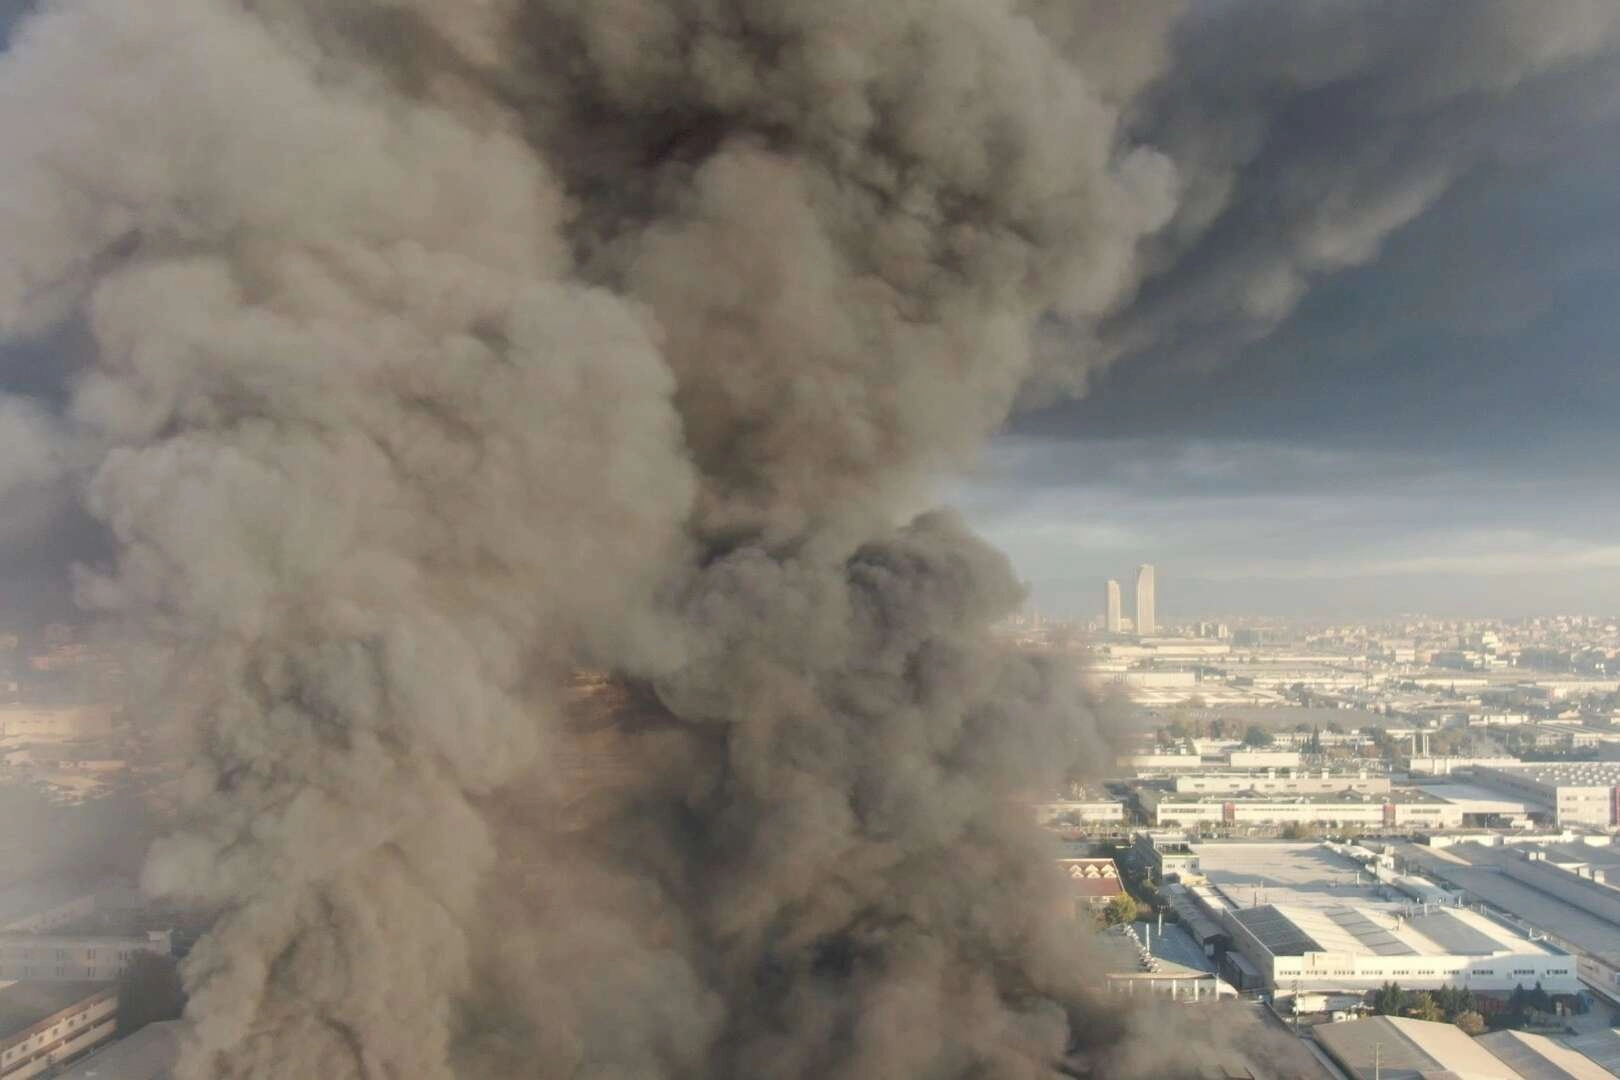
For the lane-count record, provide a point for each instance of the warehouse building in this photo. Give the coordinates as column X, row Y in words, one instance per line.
column 1269, row 783
column 75, row 957
column 1406, row 808
column 1579, row 793
column 1399, row 1048
column 42, row 1024
column 1361, row 948
column 149, row 1054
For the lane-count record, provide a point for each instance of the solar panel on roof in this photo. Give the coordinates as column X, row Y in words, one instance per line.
column 1277, row 932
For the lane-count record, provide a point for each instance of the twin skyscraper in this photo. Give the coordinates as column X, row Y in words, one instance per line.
column 1146, row 624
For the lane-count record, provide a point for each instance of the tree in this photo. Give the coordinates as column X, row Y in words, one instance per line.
column 149, row 990
column 1120, row 910
column 1389, row 999
column 1256, row 736
column 1471, row 1022
column 1424, row 1007
column 1454, row 1000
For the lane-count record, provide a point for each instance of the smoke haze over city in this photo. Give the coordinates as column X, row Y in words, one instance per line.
column 508, row 436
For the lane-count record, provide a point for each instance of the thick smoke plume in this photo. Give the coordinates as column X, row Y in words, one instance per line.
column 446, row 350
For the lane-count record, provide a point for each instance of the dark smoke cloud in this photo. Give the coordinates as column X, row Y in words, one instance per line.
column 1305, row 135
column 442, row 350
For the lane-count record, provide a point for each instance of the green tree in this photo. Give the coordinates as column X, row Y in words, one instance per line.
column 149, row 990
column 1256, row 736
column 1120, row 910
column 1471, row 1022
column 1389, row 999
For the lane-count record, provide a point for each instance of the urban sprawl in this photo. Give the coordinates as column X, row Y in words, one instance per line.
column 1396, row 839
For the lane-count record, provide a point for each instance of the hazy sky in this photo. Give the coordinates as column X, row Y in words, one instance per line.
column 1432, row 429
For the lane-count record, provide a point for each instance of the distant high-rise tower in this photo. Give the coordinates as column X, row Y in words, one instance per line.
column 1113, row 607
column 1145, row 624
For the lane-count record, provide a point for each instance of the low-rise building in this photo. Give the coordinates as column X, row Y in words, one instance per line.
column 1398, row 809
column 42, row 1024
column 1351, row 947
column 1092, row 883
column 1270, row 783
column 1165, row 858
column 75, row 957
column 149, row 1054
column 36, row 907
column 1080, row 812
column 1580, row 793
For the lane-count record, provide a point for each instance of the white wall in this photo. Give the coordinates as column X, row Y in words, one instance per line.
column 74, row 1032
column 1326, row 971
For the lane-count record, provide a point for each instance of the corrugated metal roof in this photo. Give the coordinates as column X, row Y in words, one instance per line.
column 1540, row 1057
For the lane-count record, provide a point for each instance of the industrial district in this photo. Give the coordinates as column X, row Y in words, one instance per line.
column 1397, row 842
column 1391, row 845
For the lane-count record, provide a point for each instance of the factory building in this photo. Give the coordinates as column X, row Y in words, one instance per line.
column 1578, row 793
column 1403, row 809
column 1080, row 812
column 1398, row 1047
column 74, row 957
column 1351, row 947
column 1322, row 783
column 1092, row 883
column 42, row 1024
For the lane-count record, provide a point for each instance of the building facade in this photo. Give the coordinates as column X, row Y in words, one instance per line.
column 1111, row 607
column 1358, row 948
column 1146, row 620
column 41, row 1025
column 1579, row 793
column 74, row 958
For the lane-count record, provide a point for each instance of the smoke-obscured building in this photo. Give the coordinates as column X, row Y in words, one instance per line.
column 1146, row 622
column 42, row 1024
column 75, row 957
column 1111, row 606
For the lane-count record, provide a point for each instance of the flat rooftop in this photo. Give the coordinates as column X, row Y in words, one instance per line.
column 1567, row 773
column 31, row 897
column 1357, row 931
column 149, row 1054
column 24, row 1004
column 1304, row 874
column 1475, row 799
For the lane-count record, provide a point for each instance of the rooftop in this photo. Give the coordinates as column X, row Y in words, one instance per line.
column 1295, row 931
column 149, row 1054
column 31, row 897
column 1092, row 877
column 24, row 1004
column 1567, row 773
column 1539, row 1056
column 1406, row 1049
column 1306, row 874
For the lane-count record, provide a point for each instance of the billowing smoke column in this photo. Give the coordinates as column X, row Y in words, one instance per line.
column 445, row 349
